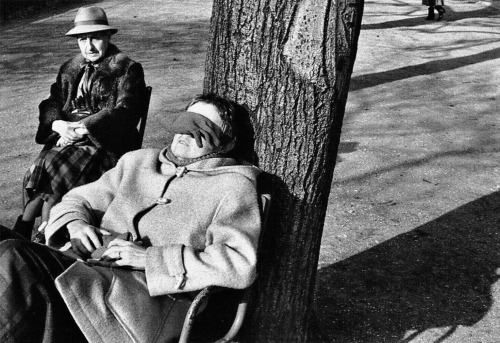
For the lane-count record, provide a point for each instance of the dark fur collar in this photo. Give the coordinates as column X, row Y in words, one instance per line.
column 114, row 62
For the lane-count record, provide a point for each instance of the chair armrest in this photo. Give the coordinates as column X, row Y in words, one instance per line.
column 239, row 317
column 196, row 307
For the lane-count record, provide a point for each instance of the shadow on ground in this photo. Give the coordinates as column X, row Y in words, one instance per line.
column 375, row 79
column 13, row 10
column 450, row 16
column 437, row 275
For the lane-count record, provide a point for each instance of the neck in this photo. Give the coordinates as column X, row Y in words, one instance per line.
column 180, row 162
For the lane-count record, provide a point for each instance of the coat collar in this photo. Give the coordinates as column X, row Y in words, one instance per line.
column 113, row 61
column 214, row 165
column 205, row 164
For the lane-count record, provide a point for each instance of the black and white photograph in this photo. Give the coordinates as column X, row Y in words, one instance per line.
column 267, row 171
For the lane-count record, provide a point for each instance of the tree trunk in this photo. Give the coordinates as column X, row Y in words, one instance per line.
column 289, row 63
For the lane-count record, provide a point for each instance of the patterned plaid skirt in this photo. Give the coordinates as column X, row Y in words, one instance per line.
column 59, row 169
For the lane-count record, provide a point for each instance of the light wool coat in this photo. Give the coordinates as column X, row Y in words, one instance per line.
column 202, row 225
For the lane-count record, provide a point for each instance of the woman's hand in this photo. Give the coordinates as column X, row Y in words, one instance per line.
column 84, row 238
column 61, row 142
column 70, row 132
column 125, row 253
column 81, row 129
column 198, row 127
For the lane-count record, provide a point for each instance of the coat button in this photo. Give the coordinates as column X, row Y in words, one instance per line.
column 163, row 201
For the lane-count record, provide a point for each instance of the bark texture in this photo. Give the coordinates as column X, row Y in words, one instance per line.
column 289, row 64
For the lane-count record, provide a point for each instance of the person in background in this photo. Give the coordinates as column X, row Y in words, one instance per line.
column 125, row 252
column 89, row 119
column 434, row 4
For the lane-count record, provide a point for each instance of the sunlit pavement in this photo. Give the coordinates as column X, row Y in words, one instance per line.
column 410, row 247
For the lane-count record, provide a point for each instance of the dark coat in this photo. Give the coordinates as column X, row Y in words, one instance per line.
column 117, row 94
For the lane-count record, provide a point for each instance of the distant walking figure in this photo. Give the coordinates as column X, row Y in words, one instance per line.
column 438, row 4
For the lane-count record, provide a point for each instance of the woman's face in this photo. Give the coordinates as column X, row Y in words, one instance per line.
column 93, row 45
column 184, row 146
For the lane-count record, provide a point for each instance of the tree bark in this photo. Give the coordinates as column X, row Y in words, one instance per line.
column 289, row 63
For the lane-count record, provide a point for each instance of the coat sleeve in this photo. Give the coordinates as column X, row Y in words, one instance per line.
column 113, row 127
column 229, row 258
column 87, row 203
column 50, row 110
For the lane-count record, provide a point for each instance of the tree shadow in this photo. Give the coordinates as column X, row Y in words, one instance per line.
column 450, row 16
column 375, row 79
column 437, row 275
column 13, row 11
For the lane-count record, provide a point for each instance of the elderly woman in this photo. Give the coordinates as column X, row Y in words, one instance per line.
column 89, row 119
column 186, row 217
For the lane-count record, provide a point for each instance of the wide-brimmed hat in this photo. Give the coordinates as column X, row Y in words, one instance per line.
column 90, row 19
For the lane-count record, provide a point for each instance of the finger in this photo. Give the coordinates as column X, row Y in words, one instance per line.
column 85, row 245
column 42, row 226
column 93, row 237
column 104, row 232
column 69, row 133
column 214, row 132
column 66, row 137
column 119, row 243
column 112, row 253
column 197, row 138
column 208, row 139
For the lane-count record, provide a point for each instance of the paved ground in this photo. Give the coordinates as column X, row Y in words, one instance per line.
column 411, row 244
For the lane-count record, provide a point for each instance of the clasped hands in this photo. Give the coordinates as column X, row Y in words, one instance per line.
column 85, row 239
column 69, row 132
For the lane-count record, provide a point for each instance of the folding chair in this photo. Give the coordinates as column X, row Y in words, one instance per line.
column 144, row 116
column 200, row 301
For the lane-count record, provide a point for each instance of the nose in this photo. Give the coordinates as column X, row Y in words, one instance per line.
column 89, row 45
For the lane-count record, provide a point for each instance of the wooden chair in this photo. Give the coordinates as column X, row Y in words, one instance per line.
column 200, row 301
column 144, row 117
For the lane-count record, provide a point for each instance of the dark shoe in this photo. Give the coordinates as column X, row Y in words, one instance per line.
column 24, row 228
column 441, row 12
column 430, row 16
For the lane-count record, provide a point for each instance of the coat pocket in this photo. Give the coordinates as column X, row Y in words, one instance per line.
column 144, row 318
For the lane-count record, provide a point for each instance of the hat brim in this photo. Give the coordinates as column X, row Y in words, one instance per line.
column 79, row 30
